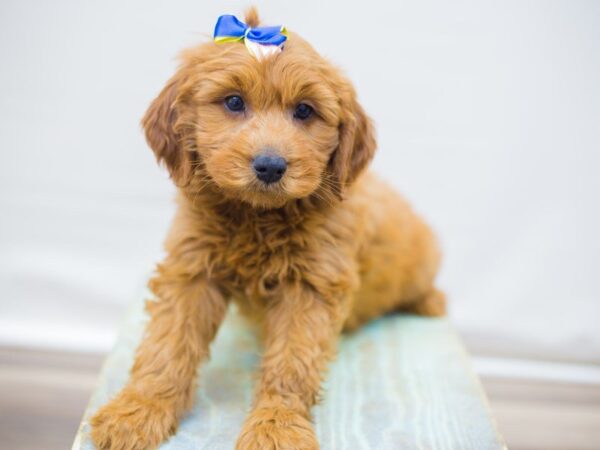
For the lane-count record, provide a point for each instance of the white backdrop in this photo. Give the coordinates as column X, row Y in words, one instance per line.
column 488, row 118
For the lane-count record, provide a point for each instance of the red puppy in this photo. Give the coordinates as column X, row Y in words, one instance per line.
column 276, row 213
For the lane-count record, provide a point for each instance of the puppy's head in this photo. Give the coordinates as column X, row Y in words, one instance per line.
column 262, row 131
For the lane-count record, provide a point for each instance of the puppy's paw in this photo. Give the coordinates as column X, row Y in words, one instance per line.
column 277, row 429
column 432, row 305
column 131, row 422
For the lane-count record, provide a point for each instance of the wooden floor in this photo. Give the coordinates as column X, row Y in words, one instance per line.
column 43, row 394
column 534, row 415
column 42, row 397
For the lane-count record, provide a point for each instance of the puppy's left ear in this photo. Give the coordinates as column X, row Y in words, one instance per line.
column 357, row 143
column 164, row 135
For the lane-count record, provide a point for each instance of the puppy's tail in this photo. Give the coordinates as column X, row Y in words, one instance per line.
column 251, row 17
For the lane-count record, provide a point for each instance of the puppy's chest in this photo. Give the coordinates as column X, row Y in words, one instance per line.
column 255, row 259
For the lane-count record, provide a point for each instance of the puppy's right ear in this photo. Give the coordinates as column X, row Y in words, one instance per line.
column 357, row 142
column 159, row 124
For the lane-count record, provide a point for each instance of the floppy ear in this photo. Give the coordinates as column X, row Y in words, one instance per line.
column 356, row 144
column 159, row 124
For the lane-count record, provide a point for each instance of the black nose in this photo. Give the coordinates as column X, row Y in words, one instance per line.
column 269, row 168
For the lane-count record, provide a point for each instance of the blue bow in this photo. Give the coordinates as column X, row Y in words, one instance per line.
column 230, row 29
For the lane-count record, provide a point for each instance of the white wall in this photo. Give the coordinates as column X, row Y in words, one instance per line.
column 488, row 117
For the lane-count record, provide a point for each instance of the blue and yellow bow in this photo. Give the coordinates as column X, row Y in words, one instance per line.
column 260, row 41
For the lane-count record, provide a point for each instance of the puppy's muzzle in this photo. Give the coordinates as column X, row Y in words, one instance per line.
column 269, row 168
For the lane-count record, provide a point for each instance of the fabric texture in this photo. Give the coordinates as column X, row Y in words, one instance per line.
column 400, row 382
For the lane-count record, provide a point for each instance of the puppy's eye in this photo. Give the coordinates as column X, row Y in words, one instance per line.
column 303, row 111
column 234, row 103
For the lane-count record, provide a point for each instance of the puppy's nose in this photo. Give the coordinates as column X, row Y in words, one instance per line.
column 269, row 168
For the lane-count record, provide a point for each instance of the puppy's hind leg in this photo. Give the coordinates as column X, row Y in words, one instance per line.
column 432, row 304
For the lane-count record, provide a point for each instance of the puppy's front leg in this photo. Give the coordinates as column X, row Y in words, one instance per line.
column 183, row 322
column 300, row 336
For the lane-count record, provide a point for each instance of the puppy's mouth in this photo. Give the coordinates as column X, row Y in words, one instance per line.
column 253, row 192
column 266, row 195
column 266, row 186
column 267, row 181
column 276, row 187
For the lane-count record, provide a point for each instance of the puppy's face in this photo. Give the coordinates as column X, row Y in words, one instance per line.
column 262, row 131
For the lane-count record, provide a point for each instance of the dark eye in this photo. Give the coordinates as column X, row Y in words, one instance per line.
column 234, row 103
column 303, row 111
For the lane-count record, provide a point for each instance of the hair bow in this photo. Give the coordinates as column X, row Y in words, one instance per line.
column 260, row 41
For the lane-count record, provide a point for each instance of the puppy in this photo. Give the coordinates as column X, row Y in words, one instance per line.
column 277, row 214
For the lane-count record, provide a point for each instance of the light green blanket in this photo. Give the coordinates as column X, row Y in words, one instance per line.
column 402, row 382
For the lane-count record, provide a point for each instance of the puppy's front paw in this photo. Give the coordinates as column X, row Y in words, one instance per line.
column 277, row 428
column 131, row 422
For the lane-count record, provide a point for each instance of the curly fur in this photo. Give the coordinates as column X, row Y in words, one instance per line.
column 328, row 247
